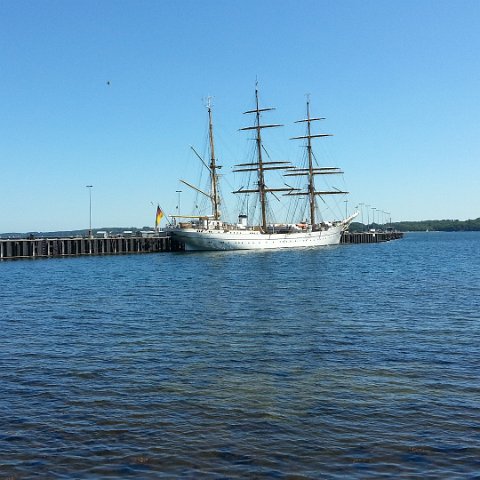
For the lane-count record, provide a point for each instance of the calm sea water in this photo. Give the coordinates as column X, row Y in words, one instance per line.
column 358, row 361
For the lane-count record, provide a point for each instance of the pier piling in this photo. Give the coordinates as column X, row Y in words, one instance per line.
column 14, row 248
column 370, row 237
column 62, row 247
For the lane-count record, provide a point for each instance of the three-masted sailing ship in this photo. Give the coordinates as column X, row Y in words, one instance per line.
column 210, row 232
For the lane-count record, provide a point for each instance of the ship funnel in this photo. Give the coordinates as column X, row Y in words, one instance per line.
column 242, row 220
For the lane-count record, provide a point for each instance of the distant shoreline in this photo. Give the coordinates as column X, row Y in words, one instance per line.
column 425, row 225
column 72, row 233
column 404, row 226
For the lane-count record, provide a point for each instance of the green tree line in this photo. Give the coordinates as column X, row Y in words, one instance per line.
column 424, row 225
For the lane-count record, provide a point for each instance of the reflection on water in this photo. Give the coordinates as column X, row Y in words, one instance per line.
column 352, row 361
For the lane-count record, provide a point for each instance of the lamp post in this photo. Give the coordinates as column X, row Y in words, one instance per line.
column 361, row 213
column 373, row 217
column 90, row 210
column 368, row 216
column 178, row 206
column 387, row 214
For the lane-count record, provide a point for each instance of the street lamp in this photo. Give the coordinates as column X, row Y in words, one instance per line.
column 373, row 216
column 90, row 210
column 361, row 213
column 178, row 206
column 368, row 216
column 387, row 214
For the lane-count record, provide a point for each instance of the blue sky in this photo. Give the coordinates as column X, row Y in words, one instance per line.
column 398, row 83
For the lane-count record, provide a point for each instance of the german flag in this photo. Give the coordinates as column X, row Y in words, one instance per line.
column 158, row 216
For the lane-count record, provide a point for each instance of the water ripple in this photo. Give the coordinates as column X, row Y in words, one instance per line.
column 357, row 361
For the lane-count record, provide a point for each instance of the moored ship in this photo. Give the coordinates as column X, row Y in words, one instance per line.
column 210, row 232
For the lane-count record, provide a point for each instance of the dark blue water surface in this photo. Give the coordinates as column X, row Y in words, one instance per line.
column 356, row 361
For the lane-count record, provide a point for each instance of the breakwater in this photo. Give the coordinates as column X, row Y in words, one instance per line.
column 15, row 248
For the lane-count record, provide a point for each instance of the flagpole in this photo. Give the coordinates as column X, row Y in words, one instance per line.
column 162, row 211
column 158, row 213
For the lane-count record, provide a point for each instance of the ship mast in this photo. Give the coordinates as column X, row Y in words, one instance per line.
column 260, row 166
column 311, row 183
column 312, row 171
column 261, row 174
column 213, row 167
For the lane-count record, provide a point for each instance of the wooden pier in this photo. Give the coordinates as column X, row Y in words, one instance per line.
column 370, row 237
column 14, row 248
column 66, row 247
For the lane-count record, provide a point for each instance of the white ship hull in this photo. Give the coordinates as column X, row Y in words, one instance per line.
column 203, row 239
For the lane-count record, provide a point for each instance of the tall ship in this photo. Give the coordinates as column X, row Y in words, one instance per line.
column 211, row 232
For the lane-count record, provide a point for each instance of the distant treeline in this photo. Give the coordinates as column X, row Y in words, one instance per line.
column 71, row 233
column 424, row 225
column 439, row 226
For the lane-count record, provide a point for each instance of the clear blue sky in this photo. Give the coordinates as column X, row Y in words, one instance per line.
column 399, row 84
